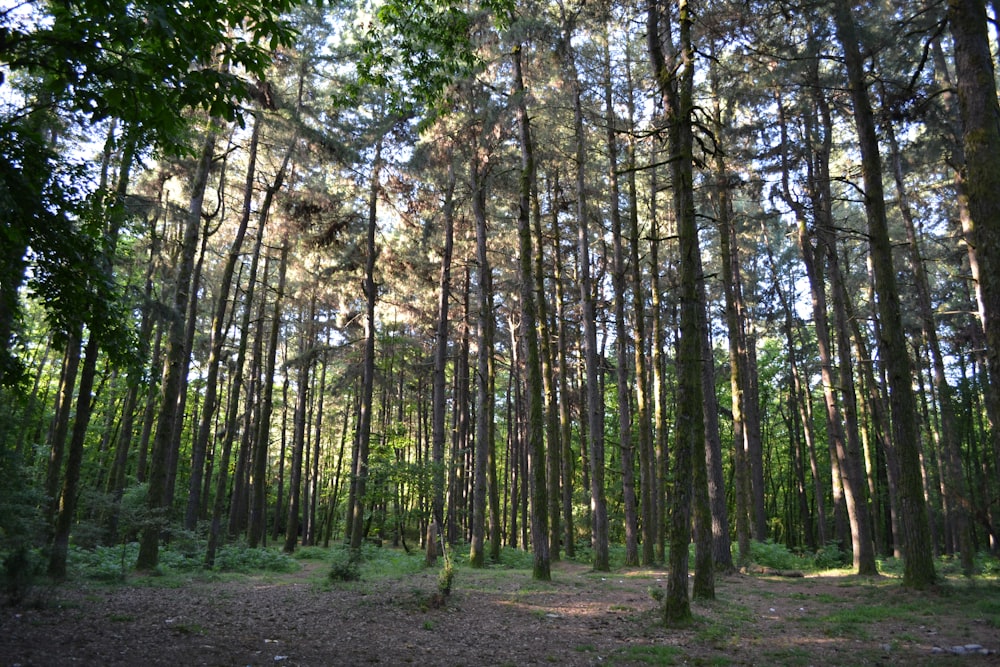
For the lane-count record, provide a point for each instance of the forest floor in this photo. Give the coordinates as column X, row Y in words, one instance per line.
column 499, row 617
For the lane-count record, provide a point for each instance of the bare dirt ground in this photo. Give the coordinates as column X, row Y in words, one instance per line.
column 496, row 618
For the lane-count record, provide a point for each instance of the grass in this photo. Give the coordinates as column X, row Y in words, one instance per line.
column 647, row 654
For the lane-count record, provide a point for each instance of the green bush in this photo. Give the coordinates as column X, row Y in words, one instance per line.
column 20, row 517
column 102, row 563
column 830, row 557
column 21, row 566
column 777, row 556
column 344, row 565
column 240, row 558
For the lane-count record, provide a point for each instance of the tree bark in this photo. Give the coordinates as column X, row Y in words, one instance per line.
column 217, row 338
column 675, row 78
column 364, row 430
column 174, row 362
column 622, row 334
column 980, row 112
column 594, row 395
column 485, row 482
column 542, row 567
column 918, row 560
column 258, row 504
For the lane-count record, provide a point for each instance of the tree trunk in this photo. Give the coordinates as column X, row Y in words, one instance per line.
column 364, row 430
column 594, row 396
column 174, row 362
column 676, row 80
column 485, row 481
column 956, row 489
column 565, row 419
column 918, row 560
column 438, row 399
column 233, row 407
column 977, row 96
column 648, row 482
column 217, row 338
column 293, row 522
column 618, row 281
column 258, row 505
column 553, row 435
column 529, row 335
column 659, row 376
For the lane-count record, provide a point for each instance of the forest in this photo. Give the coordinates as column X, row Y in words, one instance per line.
column 674, row 276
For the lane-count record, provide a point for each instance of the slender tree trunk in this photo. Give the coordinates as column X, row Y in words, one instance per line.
column 565, row 419
column 233, row 407
column 217, row 338
column 258, row 505
column 71, row 481
column 529, row 334
column 676, row 80
column 174, row 362
column 59, row 429
column 956, row 489
column 485, row 481
column 594, row 396
column 438, row 400
column 618, row 280
column 648, row 481
column 722, row 551
column 735, row 308
column 68, row 496
column 849, row 458
column 293, row 522
column 364, row 431
column 553, row 435
column 918, row 559
column 240, row 496
column 659, row 375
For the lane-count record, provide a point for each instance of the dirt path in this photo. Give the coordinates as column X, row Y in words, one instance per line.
column 495, row 618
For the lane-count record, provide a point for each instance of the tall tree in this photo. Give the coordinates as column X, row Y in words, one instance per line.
column 918, row 558
column 529, row 333
column 363, row 434
column 674, row 75
column 977, row 95
column 174, row 360
column 593, row 385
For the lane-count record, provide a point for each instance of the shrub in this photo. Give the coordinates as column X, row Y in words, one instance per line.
column 240, row 558
column 831, row 556
column 20, row 567
column 344, row 565
column 777, row 556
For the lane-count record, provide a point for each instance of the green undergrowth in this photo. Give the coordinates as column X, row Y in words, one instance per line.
column 181, row 560
column 779, row 557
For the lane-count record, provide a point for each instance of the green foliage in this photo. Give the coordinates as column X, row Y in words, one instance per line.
column 21, row 566
column 144, row 62
column 777, row 556
column 830, row 557
column 185, row 554
column 414, row 50
column 344, row 565
column 241, row 558
column 446, row 576
column 20, row 516
column 102, row 563
column 516, row 559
